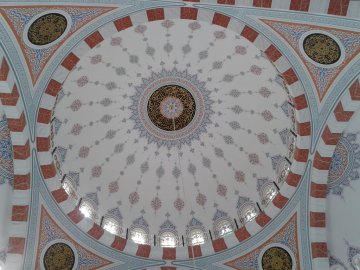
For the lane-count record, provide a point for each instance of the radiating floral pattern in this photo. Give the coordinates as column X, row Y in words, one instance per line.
column 125, row 159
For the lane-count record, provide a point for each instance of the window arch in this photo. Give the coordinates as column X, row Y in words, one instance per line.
column 223, row 227
column 168, row 239
column 268, row 192
column 139, row 236
column 291, row 143
column 57, row 162
column 196, row 237
column 355, row 261
column 112, row 226
column 282, row 170
column 248, row 212
column 69, row 187
column 87, row 209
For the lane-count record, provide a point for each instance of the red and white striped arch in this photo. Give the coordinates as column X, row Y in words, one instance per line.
column 68, row 204
column 336, row 124
column 16, row 120
column 346, row 8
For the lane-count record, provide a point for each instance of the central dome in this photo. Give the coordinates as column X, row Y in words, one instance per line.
column 171, row 107
column 173, row 125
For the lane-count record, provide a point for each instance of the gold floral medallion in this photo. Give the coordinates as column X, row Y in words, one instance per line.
column 322, row 49
column 276, row 258
column 47, row 29
column 59, row 256
column 171, row 107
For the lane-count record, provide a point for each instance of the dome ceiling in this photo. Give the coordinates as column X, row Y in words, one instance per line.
column 179, row 128
column 172, row 120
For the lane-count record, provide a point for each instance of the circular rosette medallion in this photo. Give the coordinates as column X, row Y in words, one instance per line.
column 47, row 29
column 322, row 49
column 276, row 258
column 59, row 256
column 171, row 108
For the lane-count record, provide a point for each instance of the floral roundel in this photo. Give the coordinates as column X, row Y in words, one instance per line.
column 276, row 258
column 47, row 29
column 322, row 49
column 171, row 107
column 59, row 256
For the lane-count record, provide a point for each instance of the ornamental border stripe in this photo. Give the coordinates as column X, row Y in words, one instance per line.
column 15, row 115
column 345, row 8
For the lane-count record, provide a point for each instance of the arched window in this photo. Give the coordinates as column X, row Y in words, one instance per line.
column 196, row 237
column 168, row 239
column 268, row 193
column 87, row 209
column 291, row 144
column 282, row 170
column 248, row 212
column 111, row 225
column 355, row 261
column 292, row 117
column 57, row 162
column 139, row 236
column 223, row 227
column 69, row 188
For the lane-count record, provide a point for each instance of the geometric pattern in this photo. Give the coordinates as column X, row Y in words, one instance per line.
column 322, row 77
column 18, row 17
column 287, row 235
column 50, row 231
